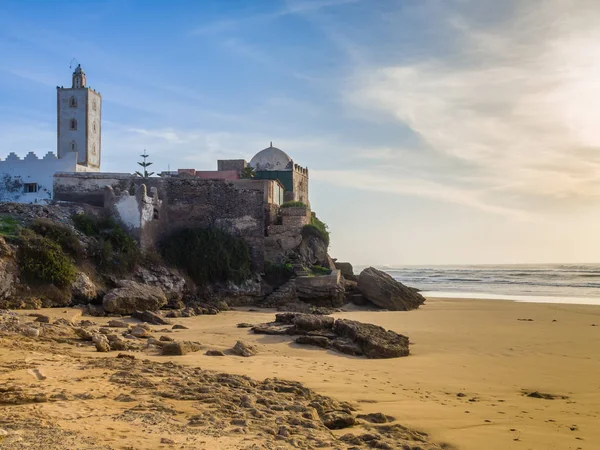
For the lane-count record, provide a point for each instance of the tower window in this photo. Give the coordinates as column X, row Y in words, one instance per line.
column 73, row 124
column 94, row 149
column 73, row 146
column 94, row 105
column 73, row 102
column 94, row 127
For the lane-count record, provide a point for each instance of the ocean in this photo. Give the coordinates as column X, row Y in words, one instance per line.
column 552, row 283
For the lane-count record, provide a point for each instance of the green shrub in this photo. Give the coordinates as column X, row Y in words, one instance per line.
column 9, row 227
column 317, row 229
column 44, row 261
column 276, row 274
column 115, row 250
column 208, row 255
column 62, row 235
column 292, row 204
column 320, row 270
column 86, row 224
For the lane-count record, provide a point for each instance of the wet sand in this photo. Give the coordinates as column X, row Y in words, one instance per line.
column 463, row 384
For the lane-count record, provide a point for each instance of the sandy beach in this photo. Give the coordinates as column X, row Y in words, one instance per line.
column 471, row 362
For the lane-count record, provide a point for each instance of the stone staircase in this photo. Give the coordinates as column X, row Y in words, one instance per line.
column 285, row 293
column 299, row 270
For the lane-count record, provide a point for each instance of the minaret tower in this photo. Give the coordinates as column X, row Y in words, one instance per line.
column 79, row 110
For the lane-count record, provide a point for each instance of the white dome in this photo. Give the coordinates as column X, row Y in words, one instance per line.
column 271, row 158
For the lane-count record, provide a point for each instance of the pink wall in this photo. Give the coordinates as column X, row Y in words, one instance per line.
column 212, row 174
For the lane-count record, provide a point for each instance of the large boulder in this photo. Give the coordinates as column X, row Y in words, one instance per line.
column 347, row 270
column 83, row 289
column 373, row 341
column 130, row 296
column 169, row 281
column 382, row 290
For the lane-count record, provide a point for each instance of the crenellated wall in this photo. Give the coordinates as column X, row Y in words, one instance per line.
column 18, row 176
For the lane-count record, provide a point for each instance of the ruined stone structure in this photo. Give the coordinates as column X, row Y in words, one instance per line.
column 30, row 180
column 244, row 208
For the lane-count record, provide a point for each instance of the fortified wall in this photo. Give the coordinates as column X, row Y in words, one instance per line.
column 30, row 180
column 244, row 208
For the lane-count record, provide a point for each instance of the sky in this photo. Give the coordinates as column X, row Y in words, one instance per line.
column 435, row 131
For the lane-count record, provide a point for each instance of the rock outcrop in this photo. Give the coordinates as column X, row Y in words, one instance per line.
column 168, row 280
column 83, row 289
column 242, row 348
column 381, row 289
column 130, row 296
column 347, row 270
column 8, row 271
column 346, row 336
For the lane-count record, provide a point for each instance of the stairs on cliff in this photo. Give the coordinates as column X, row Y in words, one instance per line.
column 300, row 270
column 283, row 294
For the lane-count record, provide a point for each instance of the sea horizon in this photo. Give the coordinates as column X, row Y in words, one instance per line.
column 568, row 283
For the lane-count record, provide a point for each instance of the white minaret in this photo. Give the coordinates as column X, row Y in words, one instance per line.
column 79, row 111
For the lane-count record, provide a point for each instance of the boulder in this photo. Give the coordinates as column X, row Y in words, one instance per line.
column 214, row 353
column 336, row 420
column 373, row 341
column 150, row 317
column 347, row 270
column 116, row 323
column 83, row 289
column 101, row 342
column 179, row 348
column 169, row 281
column 130, row 296
column 381, row 289
column 242, row 348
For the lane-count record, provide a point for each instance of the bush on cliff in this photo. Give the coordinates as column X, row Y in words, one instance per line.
column 63, row 236
column 277, row 274
column 317, row 229
column 293, row 204
column 42, row 260
column 116, row 250
column 8, row 226
column 208, row 255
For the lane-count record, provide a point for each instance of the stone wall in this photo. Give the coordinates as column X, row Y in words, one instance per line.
column 139, row 214
column 88, row 188
column 16, row 174
column 231, row 164
column 300, row 183
column 240, row 207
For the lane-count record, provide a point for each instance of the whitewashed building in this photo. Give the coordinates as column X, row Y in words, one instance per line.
column 30, row 179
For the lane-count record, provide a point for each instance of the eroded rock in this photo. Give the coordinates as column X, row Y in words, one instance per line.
column 382, row 290
column 130, row 296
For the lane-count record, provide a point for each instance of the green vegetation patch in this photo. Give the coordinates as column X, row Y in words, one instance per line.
column 320, row 270
column 277, row 274
column 9, row 227
column 208, row 255
column 116, row 250
column 293, row 204
column 42, row 260
column 62, row 235
column 317, row 229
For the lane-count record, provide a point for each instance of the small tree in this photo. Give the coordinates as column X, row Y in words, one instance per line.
column 247, row 172
column 145, row 165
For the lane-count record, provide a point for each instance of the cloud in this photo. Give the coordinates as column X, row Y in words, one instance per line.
column 518, row 103
column 291, row 7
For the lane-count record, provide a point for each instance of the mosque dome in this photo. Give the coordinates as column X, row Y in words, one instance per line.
column 271, row 158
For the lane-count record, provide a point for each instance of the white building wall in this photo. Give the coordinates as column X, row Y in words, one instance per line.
column 16, row 172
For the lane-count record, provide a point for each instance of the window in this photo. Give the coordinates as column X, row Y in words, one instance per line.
column 73, row 124
column 94, row 105
column 94, row 127
column 94, row 149
column 73, row 146
column 30, row 188
column 73, row 102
